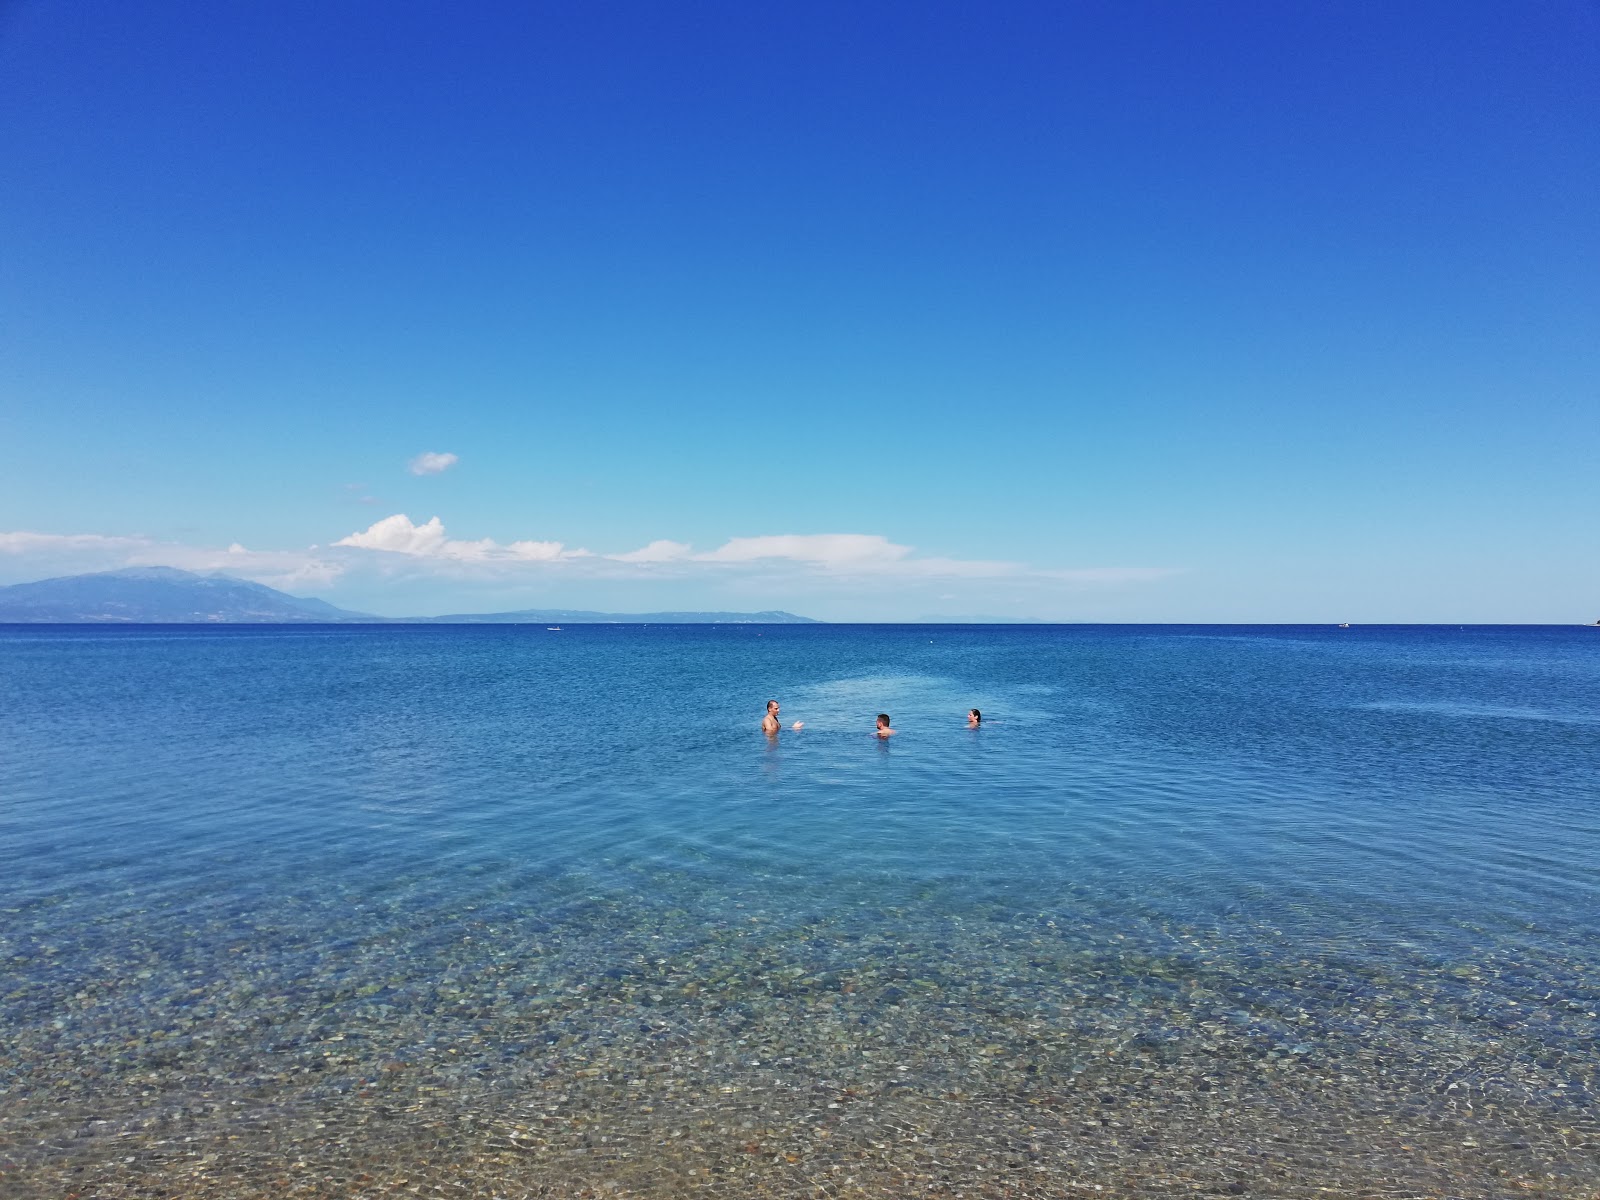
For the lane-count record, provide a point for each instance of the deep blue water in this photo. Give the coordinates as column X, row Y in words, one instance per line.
column 1326, row 845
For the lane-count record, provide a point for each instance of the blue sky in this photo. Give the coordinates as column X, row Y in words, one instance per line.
column 1080, row 311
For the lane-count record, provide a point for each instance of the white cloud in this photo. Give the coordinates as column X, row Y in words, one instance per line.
column 818, row 549
column 854, row 555
column 1111, row 574
column 398, row 535
column 287, row 569
column 660, row 551
column 541, row 551
column 431, row 463
column 33, row 543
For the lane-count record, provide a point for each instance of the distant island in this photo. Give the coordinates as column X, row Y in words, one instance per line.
column 168, row 596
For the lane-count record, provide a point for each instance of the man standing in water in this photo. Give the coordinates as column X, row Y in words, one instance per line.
column 770, row 724
column 883, row 730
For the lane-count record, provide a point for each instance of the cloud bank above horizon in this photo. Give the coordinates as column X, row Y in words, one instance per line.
column 397, row 549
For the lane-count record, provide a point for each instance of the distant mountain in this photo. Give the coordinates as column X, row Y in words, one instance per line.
column 160, row 596
column 168, row 596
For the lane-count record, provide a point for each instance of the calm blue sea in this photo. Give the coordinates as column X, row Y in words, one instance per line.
column 1245, row 910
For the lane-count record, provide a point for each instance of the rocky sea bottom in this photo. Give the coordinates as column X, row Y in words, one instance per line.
column 665, row 1035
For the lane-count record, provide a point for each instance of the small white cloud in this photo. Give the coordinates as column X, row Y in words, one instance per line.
column 431, row 463
column 656, row 552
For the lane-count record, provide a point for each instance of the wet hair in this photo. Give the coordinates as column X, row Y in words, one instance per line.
column 975, row 714
column 770, row 703
column 883, row 718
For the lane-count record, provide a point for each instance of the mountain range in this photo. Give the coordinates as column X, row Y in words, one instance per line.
column 168, row 596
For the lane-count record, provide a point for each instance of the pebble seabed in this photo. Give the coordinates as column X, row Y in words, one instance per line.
column 641, row 1043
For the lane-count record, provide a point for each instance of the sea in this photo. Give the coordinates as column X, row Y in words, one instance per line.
column 510, row 911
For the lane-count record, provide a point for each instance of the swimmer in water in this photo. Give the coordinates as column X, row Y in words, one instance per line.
column 770, row 723
column 883, row 730
column 974, row 718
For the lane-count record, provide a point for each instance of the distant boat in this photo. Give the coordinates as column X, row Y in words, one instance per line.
column 1344, row 625
column 552, row 629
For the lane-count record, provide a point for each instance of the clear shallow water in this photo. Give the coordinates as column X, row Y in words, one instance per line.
column 499, row 911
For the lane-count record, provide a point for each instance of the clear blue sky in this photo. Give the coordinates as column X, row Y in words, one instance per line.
column 1107, row 311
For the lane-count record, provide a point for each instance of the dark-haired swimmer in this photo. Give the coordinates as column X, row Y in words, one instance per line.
column 974, row 718
column 770, row 723
column 883, row 730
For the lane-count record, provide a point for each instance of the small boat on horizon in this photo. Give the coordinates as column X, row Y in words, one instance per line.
column 552, row 629
column 1344, row 625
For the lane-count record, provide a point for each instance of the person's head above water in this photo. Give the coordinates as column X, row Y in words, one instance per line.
column 770, row 721
column 883, row 720
column 974, row 717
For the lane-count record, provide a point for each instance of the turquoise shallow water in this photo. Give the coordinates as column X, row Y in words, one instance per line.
column 503, row 911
